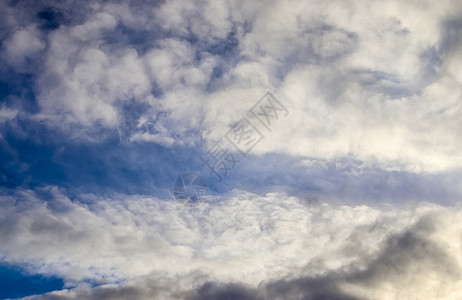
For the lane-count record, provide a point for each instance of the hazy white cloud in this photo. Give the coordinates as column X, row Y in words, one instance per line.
column 370, row 87
column 7, row 114
column 240, row 237
column 173, row 66
column 360, row 79
column 206, row 19
column 23, row 47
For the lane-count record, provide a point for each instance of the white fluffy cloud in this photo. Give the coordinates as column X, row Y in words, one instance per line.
column 23, row 47
column 359, row 78
column 377, row 83
column 239, row 237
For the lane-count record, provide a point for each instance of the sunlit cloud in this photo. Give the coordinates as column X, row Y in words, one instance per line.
column 351, row 192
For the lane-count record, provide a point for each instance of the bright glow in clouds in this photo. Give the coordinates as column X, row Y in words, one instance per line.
column 354, row 195
column 357, row 77
column 245, row 239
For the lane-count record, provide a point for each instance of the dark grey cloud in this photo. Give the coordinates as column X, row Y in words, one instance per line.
column 325, row 251
column 410, row 254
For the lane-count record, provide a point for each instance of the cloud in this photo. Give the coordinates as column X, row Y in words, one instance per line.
column 363, row 80
column 24, row 45
column 239, row 243
column 7, row 114
column 104, row 103
column 206, row 20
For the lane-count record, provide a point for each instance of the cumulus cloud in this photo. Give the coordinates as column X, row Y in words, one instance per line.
column 112, row 99
column 362, row 80
column 24, row 46
column 268, row 247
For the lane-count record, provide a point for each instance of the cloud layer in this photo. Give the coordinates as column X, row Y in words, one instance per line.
column 273, row 247
column 352, row 194
column 375, row 80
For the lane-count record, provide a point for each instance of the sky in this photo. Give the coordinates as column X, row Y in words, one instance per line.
column 325, row 138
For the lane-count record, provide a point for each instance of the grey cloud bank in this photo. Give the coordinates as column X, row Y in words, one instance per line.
column 271, row 247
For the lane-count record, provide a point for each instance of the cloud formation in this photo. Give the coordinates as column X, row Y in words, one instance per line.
column 353, row 195
column 395, row 72
column 271, row 247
